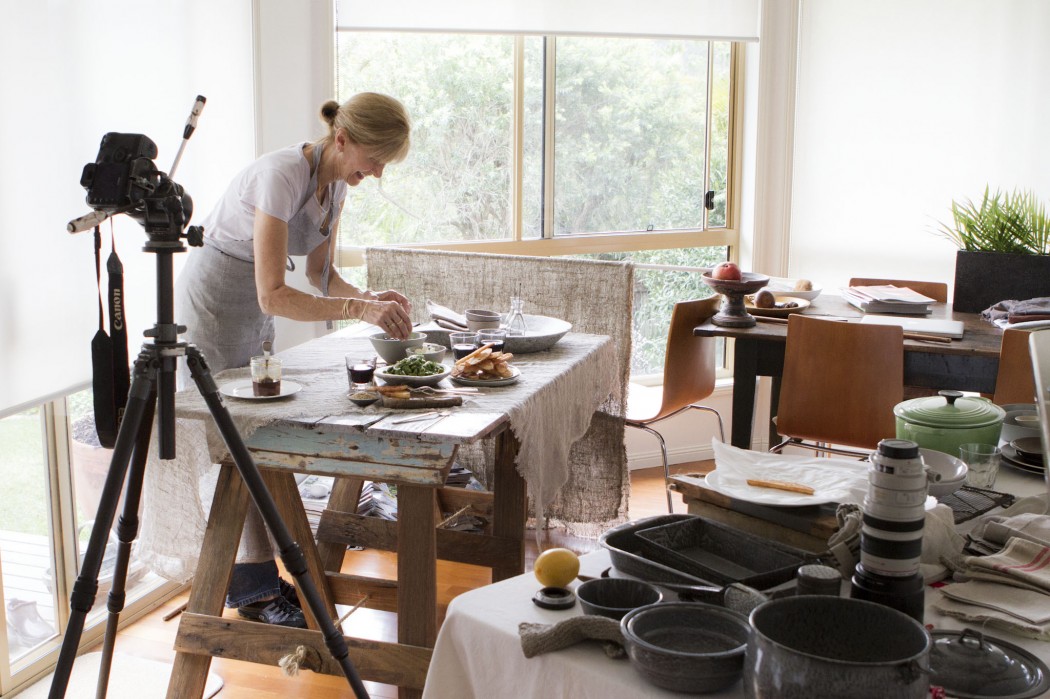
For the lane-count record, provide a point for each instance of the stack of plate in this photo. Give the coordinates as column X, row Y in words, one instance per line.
column 1025, row 453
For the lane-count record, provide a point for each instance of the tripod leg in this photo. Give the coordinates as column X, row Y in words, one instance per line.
column 127, row 530
column 133, row 430
column 291, row 554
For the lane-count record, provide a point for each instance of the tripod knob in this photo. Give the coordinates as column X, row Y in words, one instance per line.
column 195, row 236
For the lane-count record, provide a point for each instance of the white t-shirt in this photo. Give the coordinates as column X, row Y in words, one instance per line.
column 278, row 183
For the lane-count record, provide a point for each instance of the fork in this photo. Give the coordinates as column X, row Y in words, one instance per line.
column 429, row 415
column 431, row 391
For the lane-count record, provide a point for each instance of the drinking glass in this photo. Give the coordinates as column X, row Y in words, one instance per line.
column 496, row 338
column 462, row 344
column 266, row 376
column 982, row 462
column 360, row 371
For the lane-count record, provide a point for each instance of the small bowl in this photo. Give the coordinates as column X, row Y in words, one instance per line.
column 364, row 402
column 1022, row 421
column 614, row 597
column 479, row 319
column 390, row 349
column 686, row 646
column 950, row 471
column 1029, row 448
column 412, row 381
column 429, row 350
column 786, row 287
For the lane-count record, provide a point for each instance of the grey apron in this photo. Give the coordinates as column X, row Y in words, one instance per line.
column 215, row 295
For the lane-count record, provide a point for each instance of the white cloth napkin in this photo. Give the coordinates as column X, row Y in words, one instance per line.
column 1027, row 605
column 1021, row 563
column 1027, row 519
column 446, row 317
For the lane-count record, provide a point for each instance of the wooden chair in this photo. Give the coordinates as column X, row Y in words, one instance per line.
column 1039, row 349
column 689, row 374
column 938, row 291
column 1014, row 383
column 840, row 384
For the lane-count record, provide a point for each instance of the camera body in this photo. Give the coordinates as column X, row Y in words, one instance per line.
column 124, row 179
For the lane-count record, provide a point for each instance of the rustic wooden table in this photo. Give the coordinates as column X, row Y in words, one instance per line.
column 969, row 364
column 368, row 444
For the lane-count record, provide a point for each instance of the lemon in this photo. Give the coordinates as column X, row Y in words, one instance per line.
column 556, row 567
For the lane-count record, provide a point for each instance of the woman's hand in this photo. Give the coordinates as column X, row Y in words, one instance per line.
column 391, row 295
column 389, row 316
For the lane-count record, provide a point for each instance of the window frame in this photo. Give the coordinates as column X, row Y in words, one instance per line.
column 590, row 243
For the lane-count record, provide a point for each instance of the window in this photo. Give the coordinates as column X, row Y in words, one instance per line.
column 613, row 147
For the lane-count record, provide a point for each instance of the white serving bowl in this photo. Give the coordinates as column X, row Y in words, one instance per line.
column 786, row 287
column 393, row 350
column 429, row 350
column 951, row 469
column 411, row 381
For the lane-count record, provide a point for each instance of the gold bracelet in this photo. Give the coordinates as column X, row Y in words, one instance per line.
column 346, row 308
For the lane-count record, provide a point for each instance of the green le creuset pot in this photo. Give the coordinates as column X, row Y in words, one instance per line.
column 948, row 420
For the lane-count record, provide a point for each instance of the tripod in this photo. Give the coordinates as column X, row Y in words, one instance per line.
column 153, row 392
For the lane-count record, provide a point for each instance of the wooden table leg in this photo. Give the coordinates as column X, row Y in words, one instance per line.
column 745, row 368
column 285, row 493
column 346, row 494
column 509, row 503
column 416, row 571
column 214, row 567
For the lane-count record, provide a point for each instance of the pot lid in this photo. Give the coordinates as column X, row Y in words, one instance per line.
column 970, row 665
column 950, row 409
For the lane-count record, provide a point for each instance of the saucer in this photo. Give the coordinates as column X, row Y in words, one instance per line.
column 243, row 389
column 1029, row 449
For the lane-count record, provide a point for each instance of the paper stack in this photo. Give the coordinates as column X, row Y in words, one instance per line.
column 888, row 299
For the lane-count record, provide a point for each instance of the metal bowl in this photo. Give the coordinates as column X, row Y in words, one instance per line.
column 614, row 597
column 686, row 646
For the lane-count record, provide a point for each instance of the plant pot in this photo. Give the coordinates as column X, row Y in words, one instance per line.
column 986, row 278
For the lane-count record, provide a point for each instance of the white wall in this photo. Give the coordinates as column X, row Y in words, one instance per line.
column 902, row 107
column 72, row 71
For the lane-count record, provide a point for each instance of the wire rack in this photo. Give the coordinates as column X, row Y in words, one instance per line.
column 968, row 502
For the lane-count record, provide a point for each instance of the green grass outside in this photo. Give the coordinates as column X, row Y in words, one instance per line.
column 23, row 489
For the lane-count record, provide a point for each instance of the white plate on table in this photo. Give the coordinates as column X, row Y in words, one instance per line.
column 770, row 496
column 243, row 389
column 513, row 378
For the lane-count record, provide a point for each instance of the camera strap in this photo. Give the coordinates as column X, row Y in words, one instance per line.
column 109, row 351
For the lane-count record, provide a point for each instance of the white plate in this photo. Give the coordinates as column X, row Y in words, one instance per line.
column 771, row 496
column 513, row 378
column 243, row 389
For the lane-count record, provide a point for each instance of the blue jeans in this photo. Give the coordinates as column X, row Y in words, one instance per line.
column 252, row 582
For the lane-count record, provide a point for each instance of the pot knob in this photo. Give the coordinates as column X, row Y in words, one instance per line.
column 950, row 396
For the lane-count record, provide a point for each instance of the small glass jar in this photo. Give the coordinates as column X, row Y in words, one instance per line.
column 516, row 325
column 266, row 376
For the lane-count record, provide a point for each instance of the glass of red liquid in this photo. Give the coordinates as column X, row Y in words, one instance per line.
column 496, row 338
column 360, row 371
column 462, row 343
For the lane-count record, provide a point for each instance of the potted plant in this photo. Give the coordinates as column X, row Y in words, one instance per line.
column 1004, row 249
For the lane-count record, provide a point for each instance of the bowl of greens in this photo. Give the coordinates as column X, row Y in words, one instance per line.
column 413, row 371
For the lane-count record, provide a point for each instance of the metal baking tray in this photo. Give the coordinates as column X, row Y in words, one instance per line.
column 720, row 553
column 638, row 556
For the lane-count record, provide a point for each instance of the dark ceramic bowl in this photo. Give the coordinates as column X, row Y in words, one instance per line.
column 614, row 597
column 686, row 646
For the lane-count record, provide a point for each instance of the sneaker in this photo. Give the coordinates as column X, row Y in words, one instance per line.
column 288, row 592
column 277, row 611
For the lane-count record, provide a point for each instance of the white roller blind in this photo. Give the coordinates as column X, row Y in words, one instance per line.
column 714, row 19
column 72, row 71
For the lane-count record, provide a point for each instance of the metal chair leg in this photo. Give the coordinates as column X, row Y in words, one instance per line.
column 663, row 455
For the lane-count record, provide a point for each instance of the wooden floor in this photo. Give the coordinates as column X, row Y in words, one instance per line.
column 152, row 637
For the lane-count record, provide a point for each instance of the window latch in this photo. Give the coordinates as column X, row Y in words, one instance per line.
column 709, row 200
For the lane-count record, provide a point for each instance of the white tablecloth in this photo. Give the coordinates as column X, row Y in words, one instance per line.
column 478, row 652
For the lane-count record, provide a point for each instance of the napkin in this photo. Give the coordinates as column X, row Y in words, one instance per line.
column 1027, row 605
column 986, row 617
column 543, row 638
column 1011, row 311
column 446, row 317
column 1021, row 563
column 1027, row 518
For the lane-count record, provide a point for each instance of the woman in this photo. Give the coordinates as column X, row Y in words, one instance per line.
column 287, row 203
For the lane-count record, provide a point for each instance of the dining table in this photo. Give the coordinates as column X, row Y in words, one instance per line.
column 967, row 364
column 479, row 652
column 313, row 428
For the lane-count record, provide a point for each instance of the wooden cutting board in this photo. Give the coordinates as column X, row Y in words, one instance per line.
column 422, row 402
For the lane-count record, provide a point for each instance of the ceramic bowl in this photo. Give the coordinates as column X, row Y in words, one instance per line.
column 614, row 597
column 390, row 349
column 429, row 350
column 364, row 402
column 786, row 287
column 411, row 381
column 950, row 470
column 479, row 319
column 686, row 646
column 1020, row 421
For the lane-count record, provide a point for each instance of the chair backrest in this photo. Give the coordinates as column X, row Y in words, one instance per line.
column 938, row 291
column 840, row 382
column 689, row 362
column 1039, row 348
column 1014, row 383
